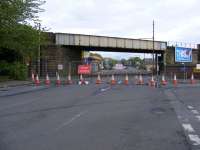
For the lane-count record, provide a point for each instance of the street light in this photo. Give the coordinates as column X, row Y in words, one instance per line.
column 38, row 59
column 156, row 56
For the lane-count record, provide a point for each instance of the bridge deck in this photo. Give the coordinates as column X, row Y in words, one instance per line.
column 108, row 42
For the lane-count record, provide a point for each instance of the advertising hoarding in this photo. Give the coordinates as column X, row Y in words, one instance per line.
column 183, row 54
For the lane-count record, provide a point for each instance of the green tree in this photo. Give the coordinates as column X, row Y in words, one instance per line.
column 18, row 29
column 135, row 61
column 109, row 62
column 124, row 62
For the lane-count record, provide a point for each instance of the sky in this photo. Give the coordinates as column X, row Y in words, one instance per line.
column 175, row 20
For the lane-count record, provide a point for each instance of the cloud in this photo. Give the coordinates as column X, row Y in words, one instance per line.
column 175, row 20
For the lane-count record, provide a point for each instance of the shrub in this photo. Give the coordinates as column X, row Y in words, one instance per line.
column 18, row 71
column 4, row 68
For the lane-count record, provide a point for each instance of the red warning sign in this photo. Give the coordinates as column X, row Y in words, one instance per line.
column 84, row 69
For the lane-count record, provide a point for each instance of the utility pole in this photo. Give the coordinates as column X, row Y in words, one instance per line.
column 156, row 56
column 38, row 61
column 153, row 50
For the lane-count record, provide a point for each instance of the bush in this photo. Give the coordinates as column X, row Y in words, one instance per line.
column 14, row 70
column 18, row 71
column 4, row 68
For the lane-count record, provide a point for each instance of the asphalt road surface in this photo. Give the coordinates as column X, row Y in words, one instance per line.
column 99, row 117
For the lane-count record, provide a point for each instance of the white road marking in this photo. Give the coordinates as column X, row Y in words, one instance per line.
column 70, row 121
column 188, row 127
column 105, row 89
column 198, row 118
column 190, row 107
column 195, row 139
column 195, row 112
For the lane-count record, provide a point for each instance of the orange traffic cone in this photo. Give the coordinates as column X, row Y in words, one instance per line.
column 175, row 80
column 113, row 80
column 33, row 77
column 58, row 82
column 152, row 81
column 126, row 80
column 192, row 81
column 69, row 79
column 136, row 79
column 140, row 81
column 163, row 81
column 37, row 81
column 98, row 81
column 47, row 81
column 82, row 81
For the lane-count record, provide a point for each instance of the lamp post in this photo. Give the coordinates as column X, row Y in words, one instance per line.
column 153, row 49
column 155, row 65
column 38, row 59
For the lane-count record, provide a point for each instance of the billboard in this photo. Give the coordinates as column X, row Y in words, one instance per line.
column 183, row 54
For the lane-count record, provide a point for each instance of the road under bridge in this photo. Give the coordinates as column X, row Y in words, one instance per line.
column 64, row 48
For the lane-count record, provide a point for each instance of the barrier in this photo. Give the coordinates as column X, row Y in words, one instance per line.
column 152, row 81
column 140, row 81
column 69, row 79
column 37, row 81
column 58, row 82
column 163, row 81
column 175, row 82
column 47, row 81
column 113, row 81
column 98, row 81
column 126, row 80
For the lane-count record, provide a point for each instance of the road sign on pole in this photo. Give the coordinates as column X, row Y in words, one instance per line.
column 84, row 69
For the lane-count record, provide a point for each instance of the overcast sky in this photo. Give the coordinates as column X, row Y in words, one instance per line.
column 175, row 20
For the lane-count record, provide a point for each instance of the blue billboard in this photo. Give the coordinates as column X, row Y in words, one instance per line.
column 183, row 54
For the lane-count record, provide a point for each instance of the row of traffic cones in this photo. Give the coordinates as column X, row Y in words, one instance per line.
column 139, row 80
column 47, row 80
column 153, row 82
column 175, row 82
column 192, row 80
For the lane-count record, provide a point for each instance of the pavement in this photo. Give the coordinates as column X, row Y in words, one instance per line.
column 96, row 117
column 14, row 83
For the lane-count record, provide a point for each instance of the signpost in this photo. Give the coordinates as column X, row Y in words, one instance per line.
column 84, row 69
column 183, row 55
column 60, row 66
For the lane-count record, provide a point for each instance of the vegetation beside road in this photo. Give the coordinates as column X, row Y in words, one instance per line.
column 19, row 36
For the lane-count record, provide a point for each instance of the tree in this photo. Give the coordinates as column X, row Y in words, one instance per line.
column 18, row 31
column 124, row 61
column 109, row 63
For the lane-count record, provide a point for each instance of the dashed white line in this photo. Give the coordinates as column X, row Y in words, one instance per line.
column 195, row 112
column 190, row 107
column 70, row 121
column 195, row 139
column 188, row 127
